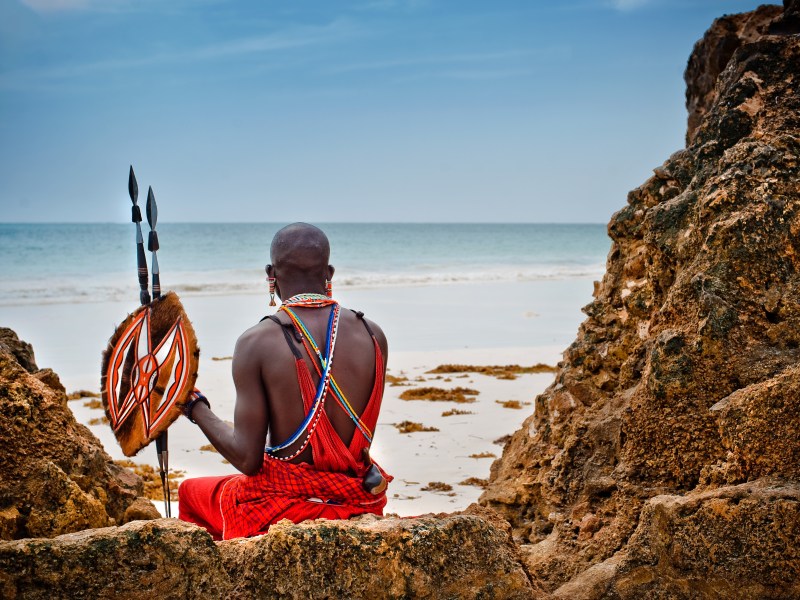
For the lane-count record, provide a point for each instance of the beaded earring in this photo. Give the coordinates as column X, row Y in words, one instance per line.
column 328, row 288
column 271, row 281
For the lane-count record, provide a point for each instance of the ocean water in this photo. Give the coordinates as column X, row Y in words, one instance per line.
column 68, row 263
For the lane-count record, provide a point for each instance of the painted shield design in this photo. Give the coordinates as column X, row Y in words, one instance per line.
column 149, row 369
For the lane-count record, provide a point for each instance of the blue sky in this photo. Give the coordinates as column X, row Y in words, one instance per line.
column 383, row 110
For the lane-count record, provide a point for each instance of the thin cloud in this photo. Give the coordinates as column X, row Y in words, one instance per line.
column 273, row 42
column 400, row 63
column 486, row 74
column 383, row 5
column 113, row 6
column 629, row 5
column 616, row 5
column 47, row 6
column 465, row 75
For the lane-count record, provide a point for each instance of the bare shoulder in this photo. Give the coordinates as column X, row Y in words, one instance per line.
column 376, row 329
column 252, row 344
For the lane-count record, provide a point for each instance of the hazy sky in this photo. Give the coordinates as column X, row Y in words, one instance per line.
column 386, row 110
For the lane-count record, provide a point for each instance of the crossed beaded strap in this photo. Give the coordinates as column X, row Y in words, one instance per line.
column 312, row 348
column 311, row 420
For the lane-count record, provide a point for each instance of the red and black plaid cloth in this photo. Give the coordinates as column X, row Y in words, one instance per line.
column 297, row 492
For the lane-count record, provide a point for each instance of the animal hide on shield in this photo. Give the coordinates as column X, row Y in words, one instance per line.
column 149, row 369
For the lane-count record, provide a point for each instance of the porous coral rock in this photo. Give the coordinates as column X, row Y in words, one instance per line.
column 143, row 559
column 55, row 476
column 467, row 555
column 712, row 53
column 733, row 542
column 21, row 350
column 684, row 370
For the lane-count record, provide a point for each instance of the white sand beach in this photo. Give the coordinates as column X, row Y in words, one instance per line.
column 521, row 323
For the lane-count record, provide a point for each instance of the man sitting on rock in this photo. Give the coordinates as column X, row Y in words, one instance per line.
column 310, row 379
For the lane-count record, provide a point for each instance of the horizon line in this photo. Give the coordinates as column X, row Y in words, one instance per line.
column 320, row 222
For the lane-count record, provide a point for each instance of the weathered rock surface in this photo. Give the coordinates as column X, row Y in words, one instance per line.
column 712, row 53
column 732, row 542
column 683, row 376
column 21, row 351
column 55, row 476
column 143, row 559
column 467, row 555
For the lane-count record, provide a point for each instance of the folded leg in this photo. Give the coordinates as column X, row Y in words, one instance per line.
column 198, row 503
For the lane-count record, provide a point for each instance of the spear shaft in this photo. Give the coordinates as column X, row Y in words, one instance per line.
column 162, row 441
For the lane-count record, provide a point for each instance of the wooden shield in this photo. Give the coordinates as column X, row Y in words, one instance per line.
column 149, row 369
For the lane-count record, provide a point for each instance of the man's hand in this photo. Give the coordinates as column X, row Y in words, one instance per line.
column 194, row 397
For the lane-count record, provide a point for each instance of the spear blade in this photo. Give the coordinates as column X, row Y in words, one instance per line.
column 133, row 187
column 152, row 242
column 152, row 209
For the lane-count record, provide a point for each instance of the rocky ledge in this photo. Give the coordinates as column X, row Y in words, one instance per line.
column 466, row 555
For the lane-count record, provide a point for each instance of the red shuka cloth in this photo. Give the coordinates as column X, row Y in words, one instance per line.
column 242, row 505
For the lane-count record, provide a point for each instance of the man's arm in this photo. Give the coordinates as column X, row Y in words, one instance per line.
column 243, row 445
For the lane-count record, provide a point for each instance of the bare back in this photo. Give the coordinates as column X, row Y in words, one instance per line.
column 353, row 368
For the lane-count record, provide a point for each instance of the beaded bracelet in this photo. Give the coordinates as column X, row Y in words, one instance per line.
column 189, row 406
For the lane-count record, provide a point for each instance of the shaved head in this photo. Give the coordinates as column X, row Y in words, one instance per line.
column 301, row 250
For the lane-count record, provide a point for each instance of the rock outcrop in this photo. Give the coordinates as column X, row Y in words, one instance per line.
column 468, row 555
column 712, row 53
column 55, row 476
column 674, row 415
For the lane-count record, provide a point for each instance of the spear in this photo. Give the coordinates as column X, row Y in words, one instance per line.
column 161, row 440
column 136, row 217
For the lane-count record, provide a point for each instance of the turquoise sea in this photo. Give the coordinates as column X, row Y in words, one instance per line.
column 66, row 263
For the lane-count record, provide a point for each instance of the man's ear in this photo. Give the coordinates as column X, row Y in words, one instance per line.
column 270, row 271
column 330, row 272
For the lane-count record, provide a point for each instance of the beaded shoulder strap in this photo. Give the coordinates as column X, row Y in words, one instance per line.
column 313, row 350
column 311, row 419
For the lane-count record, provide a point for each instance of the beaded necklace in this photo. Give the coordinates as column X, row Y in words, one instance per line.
column 311, row 420
column 309, row 301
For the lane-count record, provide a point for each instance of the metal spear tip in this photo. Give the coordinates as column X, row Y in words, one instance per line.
column 133, row 187
column 152, row 208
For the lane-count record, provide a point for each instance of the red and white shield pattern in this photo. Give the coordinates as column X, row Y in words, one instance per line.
column 150, row 364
